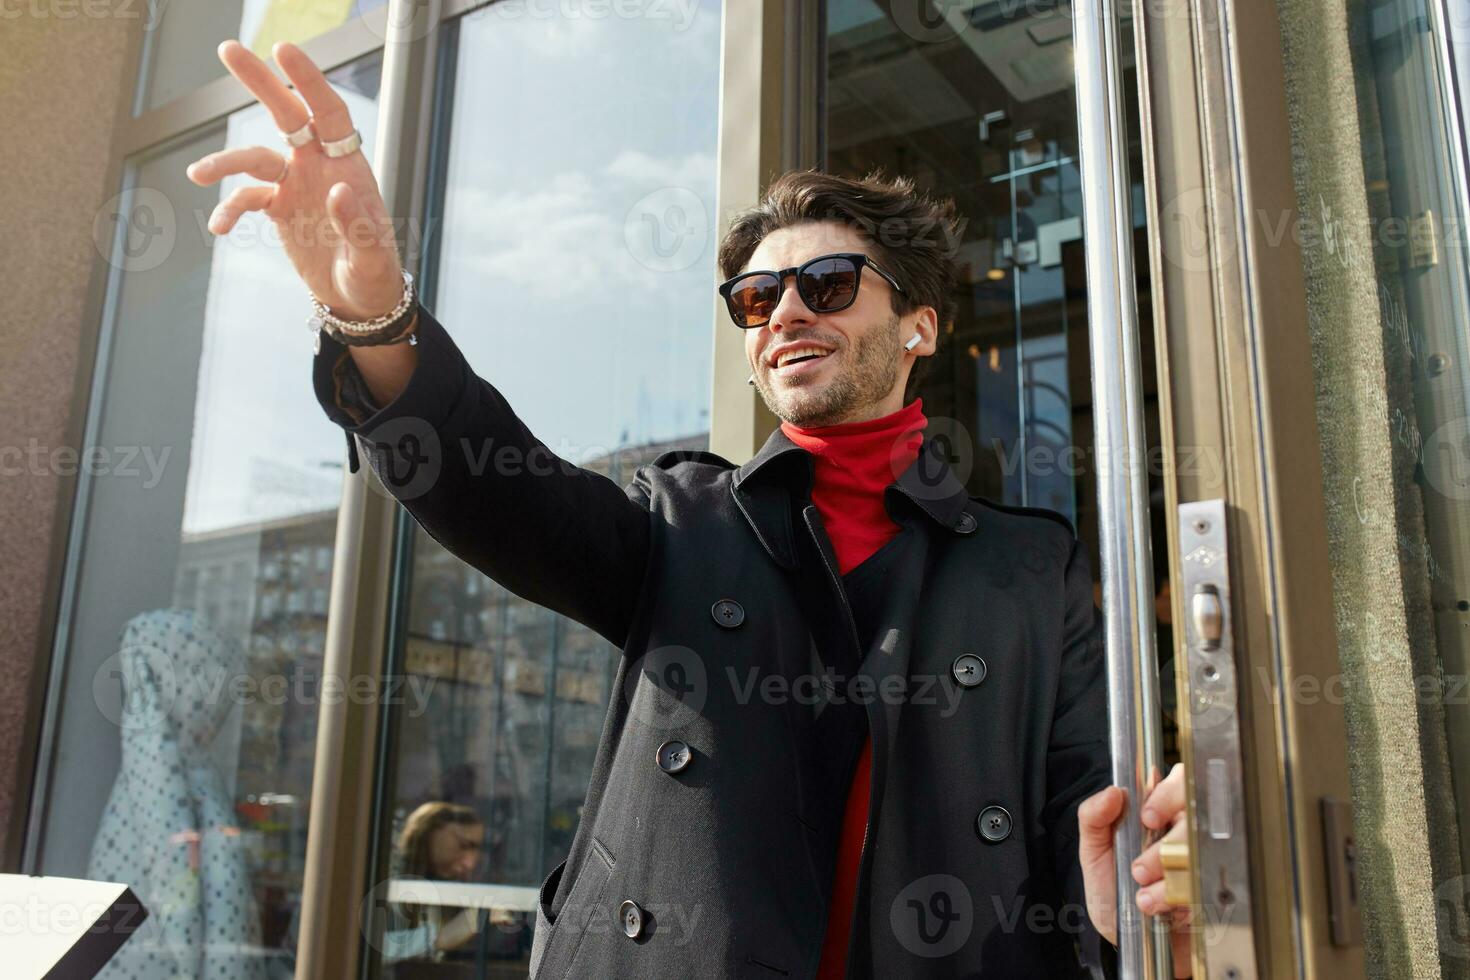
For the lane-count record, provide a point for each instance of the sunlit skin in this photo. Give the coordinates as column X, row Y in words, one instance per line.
column 864, row 375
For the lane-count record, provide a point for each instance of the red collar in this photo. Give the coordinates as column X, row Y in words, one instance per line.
column 855, row 462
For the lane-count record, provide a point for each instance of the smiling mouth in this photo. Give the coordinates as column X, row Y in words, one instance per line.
column 803, row 357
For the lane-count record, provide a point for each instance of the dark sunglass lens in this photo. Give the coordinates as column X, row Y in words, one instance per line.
column 829, row 284
column 753, row 300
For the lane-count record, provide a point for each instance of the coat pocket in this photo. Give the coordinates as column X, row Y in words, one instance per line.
column 557, row 939
column 542, row 935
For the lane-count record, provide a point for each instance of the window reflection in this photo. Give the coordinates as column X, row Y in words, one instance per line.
column 187, row 724
column 181, row 36
column 575, row 270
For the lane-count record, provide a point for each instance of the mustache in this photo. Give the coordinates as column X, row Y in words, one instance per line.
column 787, row 341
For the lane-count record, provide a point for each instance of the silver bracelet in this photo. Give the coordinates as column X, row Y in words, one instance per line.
column 323, row 318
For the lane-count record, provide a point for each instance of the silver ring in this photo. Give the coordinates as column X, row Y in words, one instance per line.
column 342, row 147
column 301, row 136
column 285, row 169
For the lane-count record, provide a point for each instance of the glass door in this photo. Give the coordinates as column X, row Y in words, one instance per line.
column 981, row 104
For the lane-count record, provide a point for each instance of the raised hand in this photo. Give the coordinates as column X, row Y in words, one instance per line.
column 328, row 210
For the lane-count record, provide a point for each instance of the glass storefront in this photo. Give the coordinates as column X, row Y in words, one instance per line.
column 569, row 246
column 186, row 723
column 572, row 268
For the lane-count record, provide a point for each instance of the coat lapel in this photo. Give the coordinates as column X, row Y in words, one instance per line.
column 782, row 472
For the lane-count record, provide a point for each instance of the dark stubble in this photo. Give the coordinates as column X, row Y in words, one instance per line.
column 872, row 371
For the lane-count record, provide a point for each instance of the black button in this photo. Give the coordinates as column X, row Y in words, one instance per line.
column 673, row 756
column 967, row 524
column 994, row 824
column 631, row 917
column 969, row 670
column 727, row 613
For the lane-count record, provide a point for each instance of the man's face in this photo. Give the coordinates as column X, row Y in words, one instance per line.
column 862, row 367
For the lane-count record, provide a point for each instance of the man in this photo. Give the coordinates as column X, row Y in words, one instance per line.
column 859, row 722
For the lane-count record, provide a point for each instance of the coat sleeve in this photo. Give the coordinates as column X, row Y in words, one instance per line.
column 451, row 450
column 1078, row 755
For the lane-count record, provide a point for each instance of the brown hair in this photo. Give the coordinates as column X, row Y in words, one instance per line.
column 908, row 234
column 413, row 840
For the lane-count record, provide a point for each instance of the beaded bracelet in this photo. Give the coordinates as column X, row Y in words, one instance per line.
column 379, row 330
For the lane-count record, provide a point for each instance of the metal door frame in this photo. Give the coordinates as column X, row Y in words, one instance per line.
column 1237, row 410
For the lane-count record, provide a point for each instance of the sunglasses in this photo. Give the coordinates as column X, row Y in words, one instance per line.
column 826, row 284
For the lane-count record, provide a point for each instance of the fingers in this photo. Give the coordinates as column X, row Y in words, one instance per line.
column 256, row 197
column 1096, row 816
column 1162, row 806
column 352, row 223
column 1148, row 867
column 260, row 162
column 330, row 117
column 1151, row 902
column 285, row 108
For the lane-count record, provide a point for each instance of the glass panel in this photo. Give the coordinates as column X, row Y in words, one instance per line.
column 182, row 35
column 980, row 106
column 187, row 726
column 575, row 271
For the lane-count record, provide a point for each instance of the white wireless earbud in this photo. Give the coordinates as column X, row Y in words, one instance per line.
column 913, row 342
column 750, row 381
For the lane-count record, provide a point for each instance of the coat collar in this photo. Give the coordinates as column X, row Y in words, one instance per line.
column 764, row 486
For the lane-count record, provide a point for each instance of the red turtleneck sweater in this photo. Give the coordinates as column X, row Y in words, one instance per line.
column 855, row 461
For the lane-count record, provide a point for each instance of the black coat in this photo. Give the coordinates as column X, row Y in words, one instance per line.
column 708, row 840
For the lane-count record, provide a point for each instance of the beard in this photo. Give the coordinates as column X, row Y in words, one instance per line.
column 876, row 359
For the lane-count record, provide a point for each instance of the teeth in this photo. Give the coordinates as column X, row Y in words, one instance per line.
column 798, row 352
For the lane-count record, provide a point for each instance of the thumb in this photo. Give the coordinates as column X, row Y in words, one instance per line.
column 368, row 280
column 350, row 220
column 1095, row 819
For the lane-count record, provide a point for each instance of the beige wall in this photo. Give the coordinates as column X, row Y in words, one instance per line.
column 60, row 74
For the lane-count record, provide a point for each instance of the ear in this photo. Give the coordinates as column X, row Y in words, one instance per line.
column 925, row 323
